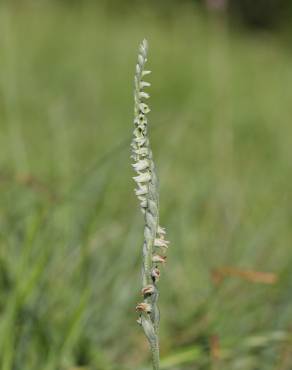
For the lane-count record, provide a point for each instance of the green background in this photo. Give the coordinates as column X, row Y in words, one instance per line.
column 70, row 228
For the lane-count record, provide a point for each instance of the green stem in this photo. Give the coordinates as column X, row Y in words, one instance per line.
column 155, row 353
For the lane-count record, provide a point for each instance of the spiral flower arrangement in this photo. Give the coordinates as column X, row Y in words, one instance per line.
column 147, row 191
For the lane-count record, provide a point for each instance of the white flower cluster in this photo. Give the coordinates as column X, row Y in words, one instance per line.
column 147, row 187
column 141, row 152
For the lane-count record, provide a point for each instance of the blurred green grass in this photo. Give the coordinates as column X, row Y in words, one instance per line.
column 71, row 231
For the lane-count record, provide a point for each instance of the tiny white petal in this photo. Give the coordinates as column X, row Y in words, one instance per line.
column 144, row 95
column 145, row 73
column 142, row 127
column 142, row 118
column 145, row 307
column 143, row 190
column 140, row 59
column 141, row 165
column 144, row 84
column 139, row 130
column 158, row 259
column 140, row 140
column 148, row 289
column 144, row 108
column 143, row 177
column 161, row 230
column 155, row 273
column 161, row 243
column 142, row 151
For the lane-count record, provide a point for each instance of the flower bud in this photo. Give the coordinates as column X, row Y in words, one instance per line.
column 148, row 289
column 155, row 273
column 144, row 307
column 157, row 258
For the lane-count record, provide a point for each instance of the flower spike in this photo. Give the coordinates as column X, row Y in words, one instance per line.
column 147, row 193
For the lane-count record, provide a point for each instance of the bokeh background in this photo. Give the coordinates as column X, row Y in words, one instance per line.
column 70, row 228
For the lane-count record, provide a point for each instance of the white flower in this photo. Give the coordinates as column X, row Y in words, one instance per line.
column 148, row 289
column 161, row 243
column 144, row 307
column 143, row 177
column 161, row 230
column 155, row 273
column 144, row 108
column 141, row 151
column 145, row 73
column 144, row 84
column 134, row 156
column 144, row 95
column 143, row 190
column 141, row 165
column 157, row 258
column 140, row 140
column 141, row 120
column 138, row 132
